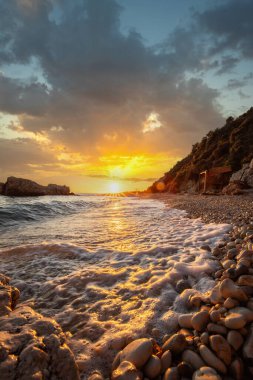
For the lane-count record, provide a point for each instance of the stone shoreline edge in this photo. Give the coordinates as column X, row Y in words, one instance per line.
column 214, row 340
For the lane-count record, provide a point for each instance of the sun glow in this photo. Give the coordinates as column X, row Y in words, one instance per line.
column 114, row 187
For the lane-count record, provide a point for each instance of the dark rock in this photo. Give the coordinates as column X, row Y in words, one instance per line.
column 237, row 369
column 185, row 369
column 1, row 188
column 171, row 374
column 234, row 188
column 26, row 188
column 176, row 343
column 206, row 248
column 182, row 285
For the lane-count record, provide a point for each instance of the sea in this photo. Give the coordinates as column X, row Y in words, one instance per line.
column 106, row 268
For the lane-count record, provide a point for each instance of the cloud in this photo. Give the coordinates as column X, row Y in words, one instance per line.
column 236, row 83
column 19, row 98
column 230, row 26
column 16, row 155
column 227, row 63
column 99, row 84
column 243, row 95
column 99, row 81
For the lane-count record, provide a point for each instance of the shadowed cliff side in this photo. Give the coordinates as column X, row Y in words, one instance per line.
column 231, row 145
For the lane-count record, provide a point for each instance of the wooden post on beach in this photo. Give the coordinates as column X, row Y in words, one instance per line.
column 205, row 180
column 213, row 172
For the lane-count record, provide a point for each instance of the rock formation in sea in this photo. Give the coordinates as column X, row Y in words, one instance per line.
column 1, row 188
column 25, row 187
column 230, row 146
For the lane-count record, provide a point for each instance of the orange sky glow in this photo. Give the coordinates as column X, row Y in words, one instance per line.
column 106, row 96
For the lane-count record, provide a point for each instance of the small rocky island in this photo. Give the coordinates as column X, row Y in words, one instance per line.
column 20, row 187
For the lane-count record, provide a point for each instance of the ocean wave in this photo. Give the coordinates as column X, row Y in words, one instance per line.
column 14, row 212
column 105, row 297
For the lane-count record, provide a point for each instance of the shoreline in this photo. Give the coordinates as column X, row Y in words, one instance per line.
column 214, row 339
column 195, row 206
column 231, row 209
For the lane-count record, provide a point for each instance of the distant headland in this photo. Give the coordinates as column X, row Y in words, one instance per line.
column 20, row 187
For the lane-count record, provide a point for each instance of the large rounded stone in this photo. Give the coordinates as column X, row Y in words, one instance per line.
column 216, row 329
column 185, row 370
column 126, row 371
column 166, row 360
column 229, row 303
column 137, row 352
column 215, row 316
column 221, row 347
column 244, row 311
column 211, row 359
column 206, row 373
column 193, row 359
column 235, row 321
column 171, row 374
column 200, row 320
column 184, row 320
column 229, row 289
column 176, row 343
column 204, row 338
column 215, row 295
column 153, row 367
column 235, row 339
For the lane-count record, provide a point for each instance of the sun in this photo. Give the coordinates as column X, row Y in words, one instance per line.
column 114, row 187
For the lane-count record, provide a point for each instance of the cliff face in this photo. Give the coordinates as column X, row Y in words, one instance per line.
column 25, row 187
column 231, row 145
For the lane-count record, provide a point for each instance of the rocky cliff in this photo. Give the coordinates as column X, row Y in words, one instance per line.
column 231, row 145
column 25, row 187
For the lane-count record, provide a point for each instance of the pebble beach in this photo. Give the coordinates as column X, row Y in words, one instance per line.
column 184, row 311
column 214, row 339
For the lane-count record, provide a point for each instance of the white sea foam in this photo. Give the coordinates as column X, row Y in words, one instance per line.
column 106, row 296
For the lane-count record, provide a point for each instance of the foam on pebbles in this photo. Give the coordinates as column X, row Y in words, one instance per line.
column 206, row 373
column 32, row 346
column 215, row 341
column 126, row 371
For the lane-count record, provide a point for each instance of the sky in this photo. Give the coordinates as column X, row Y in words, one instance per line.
column 107, row 95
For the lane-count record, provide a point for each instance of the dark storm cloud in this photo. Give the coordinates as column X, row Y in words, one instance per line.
column 18, row 98
column 227, row 63
column 101, row 84
column 230, row 26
